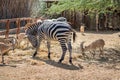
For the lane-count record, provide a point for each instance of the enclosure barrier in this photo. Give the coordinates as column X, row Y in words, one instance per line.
column 17, row 21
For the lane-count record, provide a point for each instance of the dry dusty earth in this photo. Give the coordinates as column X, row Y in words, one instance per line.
column 20, row 66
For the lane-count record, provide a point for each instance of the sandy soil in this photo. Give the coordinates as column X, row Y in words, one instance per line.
column 20, row 65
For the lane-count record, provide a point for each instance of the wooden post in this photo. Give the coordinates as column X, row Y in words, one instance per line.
column 34, row 20
column 7, row 28
column 29, row 20
column 18, row 27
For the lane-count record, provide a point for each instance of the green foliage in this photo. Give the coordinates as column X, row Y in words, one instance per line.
column 61, row 6
column 92, row 6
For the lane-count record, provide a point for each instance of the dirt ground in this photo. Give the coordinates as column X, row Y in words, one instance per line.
column 20, row 65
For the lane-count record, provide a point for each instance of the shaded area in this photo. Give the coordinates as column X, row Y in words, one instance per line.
column 60, row 65
column 3, row 65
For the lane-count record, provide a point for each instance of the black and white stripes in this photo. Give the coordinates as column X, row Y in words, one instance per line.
column 50, row 30
column 31, row 32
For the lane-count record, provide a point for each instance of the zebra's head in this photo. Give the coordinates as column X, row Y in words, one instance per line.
column 33, row 40
column 32, row 26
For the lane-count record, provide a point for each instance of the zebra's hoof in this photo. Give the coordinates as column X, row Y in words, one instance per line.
column 59, row 61
column 70, row 61
column 49, row 57
column 3, row 63
column 32, row 57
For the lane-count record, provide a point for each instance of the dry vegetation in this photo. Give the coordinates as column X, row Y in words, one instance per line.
column 20, row 66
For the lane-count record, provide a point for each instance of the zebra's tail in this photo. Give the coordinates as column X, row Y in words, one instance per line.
column 74, row 35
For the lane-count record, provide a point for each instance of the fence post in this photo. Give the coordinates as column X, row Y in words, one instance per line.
column 18, row 27
column 29, row 20
column 7, row 28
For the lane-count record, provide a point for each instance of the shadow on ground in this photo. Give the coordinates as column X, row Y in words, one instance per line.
column 60, row 65
column 2, row 65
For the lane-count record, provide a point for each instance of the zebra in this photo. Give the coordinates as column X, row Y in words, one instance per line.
column 60, row 31
column 62, row 19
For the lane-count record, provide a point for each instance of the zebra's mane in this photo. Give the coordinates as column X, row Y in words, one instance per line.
column 30, row 25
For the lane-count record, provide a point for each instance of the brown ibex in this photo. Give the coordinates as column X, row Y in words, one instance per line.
column 5, row 47
column 97, row 44
column 82, row 29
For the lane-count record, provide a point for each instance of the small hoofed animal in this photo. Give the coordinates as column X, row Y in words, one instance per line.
column 5, row 47
column 97, row 44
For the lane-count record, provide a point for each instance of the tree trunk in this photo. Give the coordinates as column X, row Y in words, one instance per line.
column 97, row 22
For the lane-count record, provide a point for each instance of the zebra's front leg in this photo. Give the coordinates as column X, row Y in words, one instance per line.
column 37, row 47
column 34, row 54
column 64, row 49
column 48, row 46
column 70, row 52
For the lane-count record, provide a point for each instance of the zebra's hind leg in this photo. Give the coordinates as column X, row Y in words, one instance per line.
column 70, row 52
column 48, row 46
column 64, row 49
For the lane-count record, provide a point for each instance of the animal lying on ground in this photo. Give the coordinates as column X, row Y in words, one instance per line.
column 5, row 47
column 20, row 38
column 97, row 44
